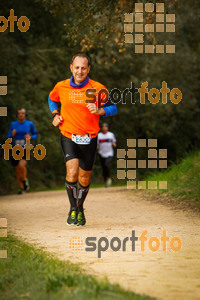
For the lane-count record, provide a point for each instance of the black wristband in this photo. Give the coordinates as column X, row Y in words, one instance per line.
column 55, row 114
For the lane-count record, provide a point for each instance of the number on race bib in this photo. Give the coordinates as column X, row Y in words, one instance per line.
column 81, row 139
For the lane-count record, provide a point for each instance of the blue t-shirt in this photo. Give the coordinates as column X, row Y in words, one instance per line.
column 22, row 129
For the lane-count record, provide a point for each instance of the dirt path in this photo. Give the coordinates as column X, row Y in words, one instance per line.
column 40, row 218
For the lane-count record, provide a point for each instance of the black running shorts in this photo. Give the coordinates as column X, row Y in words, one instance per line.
column 15, row 162
column 85, row 153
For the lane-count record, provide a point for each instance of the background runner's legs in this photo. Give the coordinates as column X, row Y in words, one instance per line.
column 22, row 167
column 105, row 162
column 18, row 175
column 21, row 172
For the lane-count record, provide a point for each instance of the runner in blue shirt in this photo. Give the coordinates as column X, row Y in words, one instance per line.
column 20, row 130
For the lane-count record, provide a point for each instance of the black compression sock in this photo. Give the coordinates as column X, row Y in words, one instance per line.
column 82, row 193
column 71, row 188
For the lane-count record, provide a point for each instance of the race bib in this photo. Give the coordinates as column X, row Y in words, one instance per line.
column 81, row 139
column 20, row 142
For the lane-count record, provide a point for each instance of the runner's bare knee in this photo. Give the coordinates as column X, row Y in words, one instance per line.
column 22, row 163
column 71, row 171
column 84, row 177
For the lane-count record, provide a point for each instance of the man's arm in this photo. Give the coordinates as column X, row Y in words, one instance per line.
column 114, row 144
column 95, row 110
column 114, row 141
column 110, row 108
column 33, row 131
column 11, row 131
column 53, row 106
column 106, row 110
column 98, row 141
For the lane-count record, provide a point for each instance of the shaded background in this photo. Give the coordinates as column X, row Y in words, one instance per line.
column 36, row 60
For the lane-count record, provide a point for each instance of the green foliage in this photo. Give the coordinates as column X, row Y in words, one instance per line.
column 183, row 178
column 33, row 274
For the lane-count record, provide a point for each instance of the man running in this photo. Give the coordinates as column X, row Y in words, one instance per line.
column 79, row 126
column 19, row 131
column 106, row 141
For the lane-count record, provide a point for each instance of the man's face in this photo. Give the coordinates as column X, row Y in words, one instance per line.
column 79, row 69
column 104, row 129
column 21, row 114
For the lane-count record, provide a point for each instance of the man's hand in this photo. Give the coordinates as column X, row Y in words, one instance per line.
column 114, row 144
column 95, row 110
column 14, row 131
column 57, row 120
column 27, row 136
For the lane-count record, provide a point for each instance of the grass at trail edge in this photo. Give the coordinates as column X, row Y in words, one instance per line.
column 183, row 179
column 30, row 273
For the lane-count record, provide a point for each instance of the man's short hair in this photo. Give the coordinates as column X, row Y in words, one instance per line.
column 82, row 54
column 105, row 124
column 21, row 108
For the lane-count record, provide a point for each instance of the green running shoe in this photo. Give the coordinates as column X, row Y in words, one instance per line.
column 81, row 219
column 72, row 218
